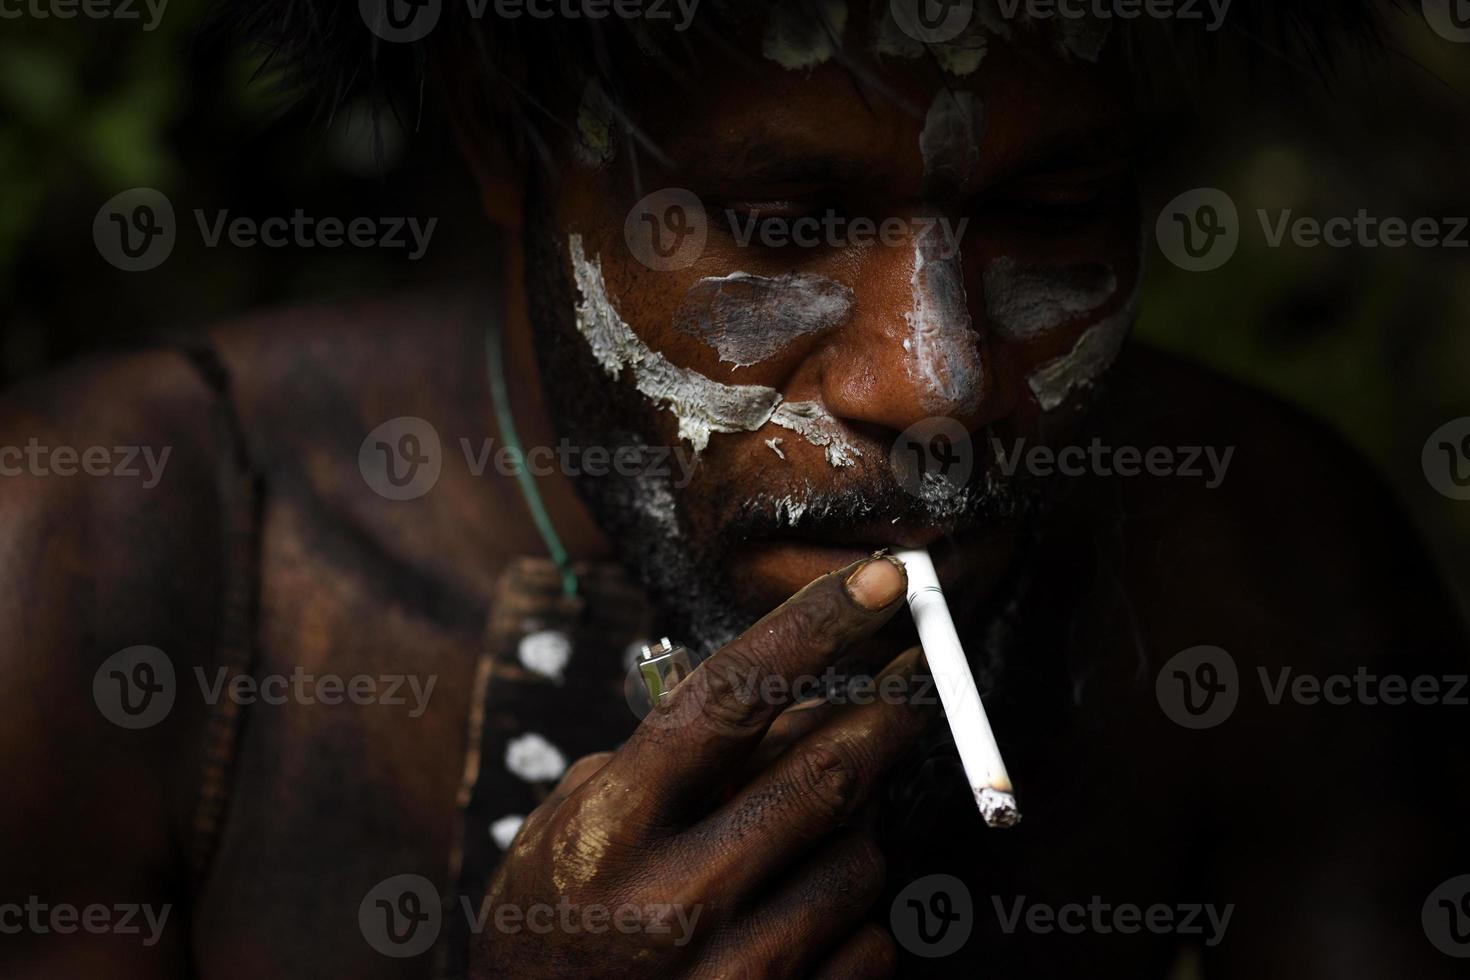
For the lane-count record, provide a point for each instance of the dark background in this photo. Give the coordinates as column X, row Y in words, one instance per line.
column 1371, row 340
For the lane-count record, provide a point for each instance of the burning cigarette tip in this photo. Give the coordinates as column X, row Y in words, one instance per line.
column 997, row 808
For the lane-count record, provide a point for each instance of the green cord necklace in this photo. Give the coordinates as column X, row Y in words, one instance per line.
column 500, row 397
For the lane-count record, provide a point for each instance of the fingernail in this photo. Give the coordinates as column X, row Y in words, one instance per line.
column 877, row 582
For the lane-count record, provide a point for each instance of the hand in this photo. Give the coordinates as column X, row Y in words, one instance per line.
column 713, row 842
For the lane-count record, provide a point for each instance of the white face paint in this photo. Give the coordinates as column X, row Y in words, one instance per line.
column 702, row 405
column 595, row 144
column 1094, row 352
column 944, row 349
column 751, row 318
column 1083, row 37
column 799, row 39
column 960, row 56
column 1025, row 301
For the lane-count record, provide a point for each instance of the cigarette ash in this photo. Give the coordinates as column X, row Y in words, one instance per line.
column 1024, row 301
column 801, row 36
column 997, row 808
column 749, row 319
column 701, row 405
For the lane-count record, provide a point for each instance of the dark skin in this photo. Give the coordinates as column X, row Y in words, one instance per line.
column 1292, row 562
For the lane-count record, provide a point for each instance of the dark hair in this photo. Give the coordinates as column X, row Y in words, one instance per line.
column 515, row 68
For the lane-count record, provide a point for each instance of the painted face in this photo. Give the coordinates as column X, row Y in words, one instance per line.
column 891, row 236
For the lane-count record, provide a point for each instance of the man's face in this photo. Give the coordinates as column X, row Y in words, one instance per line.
column 969, row 251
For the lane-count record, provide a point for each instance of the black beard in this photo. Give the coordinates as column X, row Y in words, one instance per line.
column 682, row 573
column 681, row 558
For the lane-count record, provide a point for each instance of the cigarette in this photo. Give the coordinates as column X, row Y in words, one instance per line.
column 979, row 754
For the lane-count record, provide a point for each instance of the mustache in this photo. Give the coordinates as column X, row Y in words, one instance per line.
column 876, row 497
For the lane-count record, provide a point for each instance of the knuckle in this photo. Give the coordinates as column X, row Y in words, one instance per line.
column 730, row 698
column 816, row 620
column 828, row 779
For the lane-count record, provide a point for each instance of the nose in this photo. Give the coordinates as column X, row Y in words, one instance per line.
column 916, row 345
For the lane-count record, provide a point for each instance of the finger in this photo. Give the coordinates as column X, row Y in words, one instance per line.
column 816, row 784
column 687, row 746
column 827, row 897
column 790, row 727
column 868, row 954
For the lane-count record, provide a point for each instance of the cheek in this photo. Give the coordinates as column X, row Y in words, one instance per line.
column 748, row 319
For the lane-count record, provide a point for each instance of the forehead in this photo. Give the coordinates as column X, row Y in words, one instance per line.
column 857, row 113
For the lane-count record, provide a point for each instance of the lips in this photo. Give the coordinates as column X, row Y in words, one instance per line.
column 777, row 566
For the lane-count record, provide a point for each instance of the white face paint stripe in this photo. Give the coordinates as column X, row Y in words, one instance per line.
column 702, row 405
column 943, row 346
column 800, row 39
column 944, row 350
column 749, row 319
column 1094, row 352
column 1024, row 301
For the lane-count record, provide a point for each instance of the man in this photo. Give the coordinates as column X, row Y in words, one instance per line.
column 315, row 704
